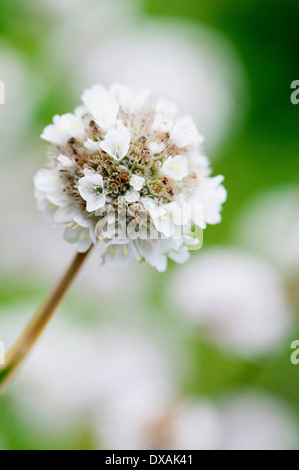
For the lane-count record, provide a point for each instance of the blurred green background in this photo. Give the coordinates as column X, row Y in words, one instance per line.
column 50, row 51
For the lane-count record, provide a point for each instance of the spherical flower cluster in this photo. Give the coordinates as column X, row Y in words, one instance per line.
column 130, row 175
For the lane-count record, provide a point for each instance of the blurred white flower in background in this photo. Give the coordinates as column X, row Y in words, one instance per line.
column 243, row 421
column 80, row 374
column 19, row 101
column 182, row 61
column 120, row 382
column 255, row 421
column 238, row 299
column 195, row 425
column 270, row 226
column 64, row 6
column 179, row 425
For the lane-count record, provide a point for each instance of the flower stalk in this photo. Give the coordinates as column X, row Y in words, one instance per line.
column 25, row 343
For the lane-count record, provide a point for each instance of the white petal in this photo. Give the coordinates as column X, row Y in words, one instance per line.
column 88, row 185
column 165, row 107
column 130, row 100
column 181, row 213
column 65, row 162
column 117, row 141
column 176, row 167
column 92, row 146
column 161, row 218
column 90, row 188
column 72, row 232
column 84, row 242
column 121, row 252
column 198, row 215
column 185, row 133
column 71, row 124
column 63, row 127
column 46, row 181
column 164, row 224
column 96, row 180
column 132, row 196
column 156, row 148
column 64, row 214
column 211, row 195
column 162, row 123
column 102, row 106
column 81, row 111
column 46, row 206
column 88, row 172
column 179, row 256
column 81, row 219
column 137, row 182
column 95, row 203
column 150, row 250
column 54, row 135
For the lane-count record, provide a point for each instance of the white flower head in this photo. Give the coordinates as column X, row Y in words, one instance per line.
column 130, row 174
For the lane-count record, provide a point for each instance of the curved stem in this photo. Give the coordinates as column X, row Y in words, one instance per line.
column 23, row 346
